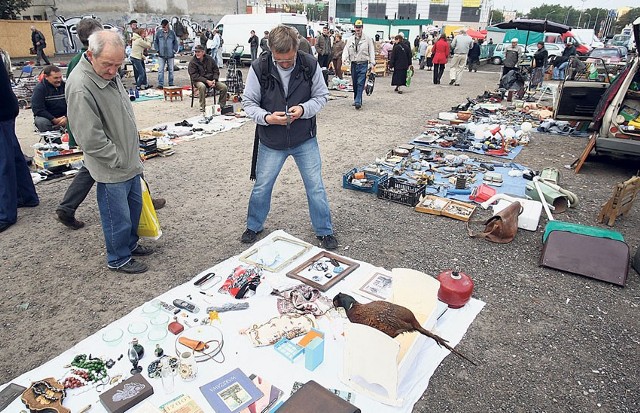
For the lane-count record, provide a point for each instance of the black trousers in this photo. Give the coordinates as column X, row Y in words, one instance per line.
column 323, row 60
column 438, row 70
column 77, row 192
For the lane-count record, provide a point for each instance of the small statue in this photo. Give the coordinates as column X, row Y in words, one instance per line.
column 133, row 358
column 158, row 351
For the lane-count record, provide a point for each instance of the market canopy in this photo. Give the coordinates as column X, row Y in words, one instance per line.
column 534, row 25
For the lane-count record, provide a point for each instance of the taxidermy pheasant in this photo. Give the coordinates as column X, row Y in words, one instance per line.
column 391, row 319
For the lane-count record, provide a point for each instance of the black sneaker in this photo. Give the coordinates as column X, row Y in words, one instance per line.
column 452, row 81
column 249, row 236
column 141, row 251
column 69, row 221
column 358, row 106
column 132, row 267
column 328, row 242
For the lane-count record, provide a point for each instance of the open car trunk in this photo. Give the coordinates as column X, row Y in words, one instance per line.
column 609, row 96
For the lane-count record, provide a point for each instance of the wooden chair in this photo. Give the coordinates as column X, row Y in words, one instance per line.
column 210, row 92
column 621, row 202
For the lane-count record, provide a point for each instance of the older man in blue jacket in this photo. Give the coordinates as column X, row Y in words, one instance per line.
column 166, row 43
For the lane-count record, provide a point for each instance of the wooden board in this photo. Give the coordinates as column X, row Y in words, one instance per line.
column 585, row 153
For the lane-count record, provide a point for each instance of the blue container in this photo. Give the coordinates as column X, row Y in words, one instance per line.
column 346, row 181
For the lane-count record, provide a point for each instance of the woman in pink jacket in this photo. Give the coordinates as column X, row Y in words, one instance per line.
column 440, row 54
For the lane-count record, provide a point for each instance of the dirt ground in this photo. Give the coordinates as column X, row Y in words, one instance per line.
column 546, row 340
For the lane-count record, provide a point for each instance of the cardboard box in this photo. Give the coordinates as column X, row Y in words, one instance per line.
column 127, row 394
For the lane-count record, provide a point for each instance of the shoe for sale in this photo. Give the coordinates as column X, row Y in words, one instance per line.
column 69, row 221
column 457, row 84
column 452, row 82
column 249, row 236
column 132, row 267
column 141, row 251
column 158, row 203
column 328, row 242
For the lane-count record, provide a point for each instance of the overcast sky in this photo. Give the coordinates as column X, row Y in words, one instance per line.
column 524, row 6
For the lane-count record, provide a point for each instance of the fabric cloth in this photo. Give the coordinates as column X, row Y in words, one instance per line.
column 441, row 52
column 169, row 62
column 359, row 49
column 120, row 206
column 270, row 162
column 282, row 89
column 511, row 56
column 76, row 192
column 461, row 44
column 138, row 46
column 16, row 185
column 48, row 101
column 104, row 124
column 303, row 299
column 400, row 62
column 458, row 64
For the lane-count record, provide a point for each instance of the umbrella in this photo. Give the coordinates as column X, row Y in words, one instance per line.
column 475, row 34
column 533, row 25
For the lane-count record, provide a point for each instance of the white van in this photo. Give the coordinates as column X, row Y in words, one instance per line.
column 236, row 28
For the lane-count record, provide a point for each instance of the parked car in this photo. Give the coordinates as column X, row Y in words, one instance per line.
column 581, row 49
column 612, row 104
column 498, row 53
column 554, row 49
column 610, row 55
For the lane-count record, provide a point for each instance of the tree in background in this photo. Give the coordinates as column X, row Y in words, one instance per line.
column 626, row 19
column 9, row 9
column 496, row 17
column 588, row 18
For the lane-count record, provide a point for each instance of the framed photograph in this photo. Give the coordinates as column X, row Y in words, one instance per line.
column 378, row 287
column 275, row 255
column 323, row 270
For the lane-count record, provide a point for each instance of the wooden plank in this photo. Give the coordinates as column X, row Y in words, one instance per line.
column 585, row 153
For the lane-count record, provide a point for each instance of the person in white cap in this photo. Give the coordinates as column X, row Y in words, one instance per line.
column 360, row 53
column 511, row 56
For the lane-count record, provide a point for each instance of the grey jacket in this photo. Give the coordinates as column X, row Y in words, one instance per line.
column 104, row 125
column 461, row 44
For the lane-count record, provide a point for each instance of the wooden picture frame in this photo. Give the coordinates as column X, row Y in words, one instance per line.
column 312, row 272
column 377, row 287
column 288, row 250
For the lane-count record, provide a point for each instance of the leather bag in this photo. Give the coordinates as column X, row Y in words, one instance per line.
column 502, row 227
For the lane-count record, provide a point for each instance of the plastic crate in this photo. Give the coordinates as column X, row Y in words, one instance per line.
column 401, row 191
column 346, row 181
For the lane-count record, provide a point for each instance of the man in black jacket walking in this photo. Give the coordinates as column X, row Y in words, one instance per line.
column 39, row 44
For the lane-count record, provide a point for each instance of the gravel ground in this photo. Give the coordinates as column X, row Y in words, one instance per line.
column 546, row 341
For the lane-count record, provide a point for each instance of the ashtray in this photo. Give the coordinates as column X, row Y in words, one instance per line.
column 157, row 334
column 112, row 336
column 160, row 320
column 150, row 310
column 137, row 327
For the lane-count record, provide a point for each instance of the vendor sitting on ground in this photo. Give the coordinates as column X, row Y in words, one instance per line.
column 204, row 74
column 48, row 103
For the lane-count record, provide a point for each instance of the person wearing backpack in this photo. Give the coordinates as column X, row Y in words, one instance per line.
column 166, row 44
column 284, row 92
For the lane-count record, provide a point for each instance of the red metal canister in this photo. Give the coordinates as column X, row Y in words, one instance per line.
column 455, row 288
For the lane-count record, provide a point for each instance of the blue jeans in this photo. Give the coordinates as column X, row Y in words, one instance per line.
column 358, row 77
column 270, row 161
column 139, row 72
column 16, row 186
column 162, row 61
column 558, row 72
column 120, row 206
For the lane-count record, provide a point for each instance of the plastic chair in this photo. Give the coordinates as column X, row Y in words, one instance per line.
column 26, row 70
column 210, row 92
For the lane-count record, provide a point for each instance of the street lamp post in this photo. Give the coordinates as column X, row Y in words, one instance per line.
column 589, row 22
column 549, row 14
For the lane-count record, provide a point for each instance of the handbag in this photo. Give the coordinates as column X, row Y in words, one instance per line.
column 32, row 50
column 502, row 227
column 149, row 226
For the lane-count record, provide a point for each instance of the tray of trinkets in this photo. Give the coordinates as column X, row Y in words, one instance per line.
column 458, row 210
column 432, row 204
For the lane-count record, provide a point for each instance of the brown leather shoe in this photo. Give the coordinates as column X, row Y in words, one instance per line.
column 158, row 203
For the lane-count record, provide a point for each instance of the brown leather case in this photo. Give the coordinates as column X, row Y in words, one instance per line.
column 604, row 259
column 313, row 398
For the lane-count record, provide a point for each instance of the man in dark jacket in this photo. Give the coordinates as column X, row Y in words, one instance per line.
column 16, row 185
column 560, row 63
column 323, row 47
column 253, row 43
column 474, row 56
column 285, row 90
column 48, row 103
column 39, row 44
column 204, row 74
column 264, row 42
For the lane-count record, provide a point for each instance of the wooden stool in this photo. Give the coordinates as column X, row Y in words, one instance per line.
column 172, row 92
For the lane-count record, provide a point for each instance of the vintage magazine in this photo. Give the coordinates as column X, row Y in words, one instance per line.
column 231, row 393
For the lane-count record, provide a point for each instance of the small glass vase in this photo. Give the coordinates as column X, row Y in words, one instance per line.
column 188, row 366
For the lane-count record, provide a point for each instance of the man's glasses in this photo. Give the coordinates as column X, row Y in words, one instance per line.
column 281, row 62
